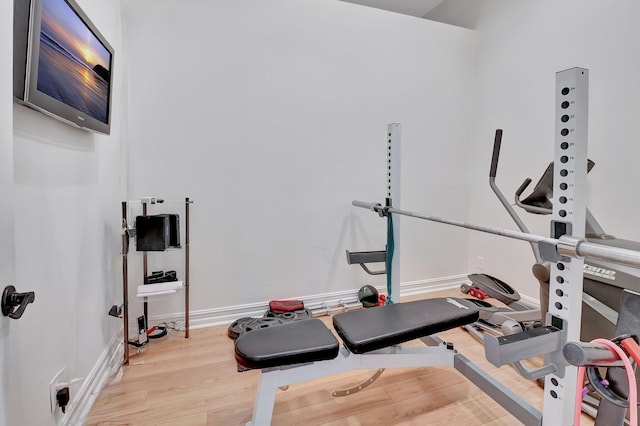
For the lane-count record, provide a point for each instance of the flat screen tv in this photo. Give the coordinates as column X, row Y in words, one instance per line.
column 62, row 64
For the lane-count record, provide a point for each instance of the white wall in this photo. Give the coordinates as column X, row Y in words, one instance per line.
column 520, row 46
column 7, row 272
column 68, row 185
column 272, row 116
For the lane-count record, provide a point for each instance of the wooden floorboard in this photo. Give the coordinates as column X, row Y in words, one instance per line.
column 178, row 381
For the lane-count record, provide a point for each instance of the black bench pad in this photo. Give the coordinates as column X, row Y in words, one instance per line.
column 376, row 328
column 296, row 342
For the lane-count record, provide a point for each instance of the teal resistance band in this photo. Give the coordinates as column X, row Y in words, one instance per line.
column 389, row 259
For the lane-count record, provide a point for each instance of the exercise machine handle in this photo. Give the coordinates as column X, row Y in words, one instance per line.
column 124, row 212
column 526, row 207
column 497, row 141
column 522, row 187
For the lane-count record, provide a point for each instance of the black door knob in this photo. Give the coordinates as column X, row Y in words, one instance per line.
column 14, row 303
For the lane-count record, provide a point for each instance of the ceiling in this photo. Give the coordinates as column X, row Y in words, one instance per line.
column 417, row 8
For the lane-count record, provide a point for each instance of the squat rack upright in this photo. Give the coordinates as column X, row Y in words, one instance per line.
column 565, row 249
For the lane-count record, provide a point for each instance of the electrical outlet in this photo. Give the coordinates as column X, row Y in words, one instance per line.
column 59, row 381
column 480, row 263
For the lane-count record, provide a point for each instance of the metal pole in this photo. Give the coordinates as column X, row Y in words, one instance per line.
column 568, row 218
column 587, row 354
column 125, row 281
column 483, row 228
column 144, row 272
column 566, row 245
column 186, row 269
column 394, row 139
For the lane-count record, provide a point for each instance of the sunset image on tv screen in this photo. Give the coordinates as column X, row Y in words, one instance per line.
column 73, row 66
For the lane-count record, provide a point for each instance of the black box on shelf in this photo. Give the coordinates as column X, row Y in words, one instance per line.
column 152, row 233
column 157, row 232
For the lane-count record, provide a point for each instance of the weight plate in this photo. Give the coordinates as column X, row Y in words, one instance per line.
column 290, row 316
column 303, row 314
column 238, row 327
column 270, row 319
column 258, row 323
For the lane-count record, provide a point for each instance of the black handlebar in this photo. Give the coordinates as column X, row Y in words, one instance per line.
column 496, row 153
column 524, row 185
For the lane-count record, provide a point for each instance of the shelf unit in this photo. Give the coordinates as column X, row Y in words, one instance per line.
column 167, row 288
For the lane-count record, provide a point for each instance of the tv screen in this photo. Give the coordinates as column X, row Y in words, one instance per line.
column 62, row 64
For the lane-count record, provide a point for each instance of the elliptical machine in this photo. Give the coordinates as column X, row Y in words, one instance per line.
column 517, row 316
column 603, row 281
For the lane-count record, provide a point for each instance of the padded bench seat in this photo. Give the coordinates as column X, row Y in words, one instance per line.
column 297, row 342
column 362, row 331
column 376, row 328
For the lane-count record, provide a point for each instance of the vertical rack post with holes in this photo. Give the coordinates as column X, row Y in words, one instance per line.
column 393, row 199
column 569, row 216
column 125, row 274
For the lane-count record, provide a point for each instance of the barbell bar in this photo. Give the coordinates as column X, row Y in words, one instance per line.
column 566, row 245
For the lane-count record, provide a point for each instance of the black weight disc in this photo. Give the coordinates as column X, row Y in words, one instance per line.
column 289, row 316
column 238, row 327
column 303, row 314
column 258, row 323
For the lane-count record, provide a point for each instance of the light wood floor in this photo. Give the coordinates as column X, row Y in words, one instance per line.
column 178, row 381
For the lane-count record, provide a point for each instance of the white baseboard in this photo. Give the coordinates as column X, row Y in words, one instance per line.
column 105, row 367
column 412, row 288
column 219, row 316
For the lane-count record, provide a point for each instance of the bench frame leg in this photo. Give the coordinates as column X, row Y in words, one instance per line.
column 393, row 357
column 265, row 399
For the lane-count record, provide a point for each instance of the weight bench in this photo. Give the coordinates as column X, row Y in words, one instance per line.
column 307, row 349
